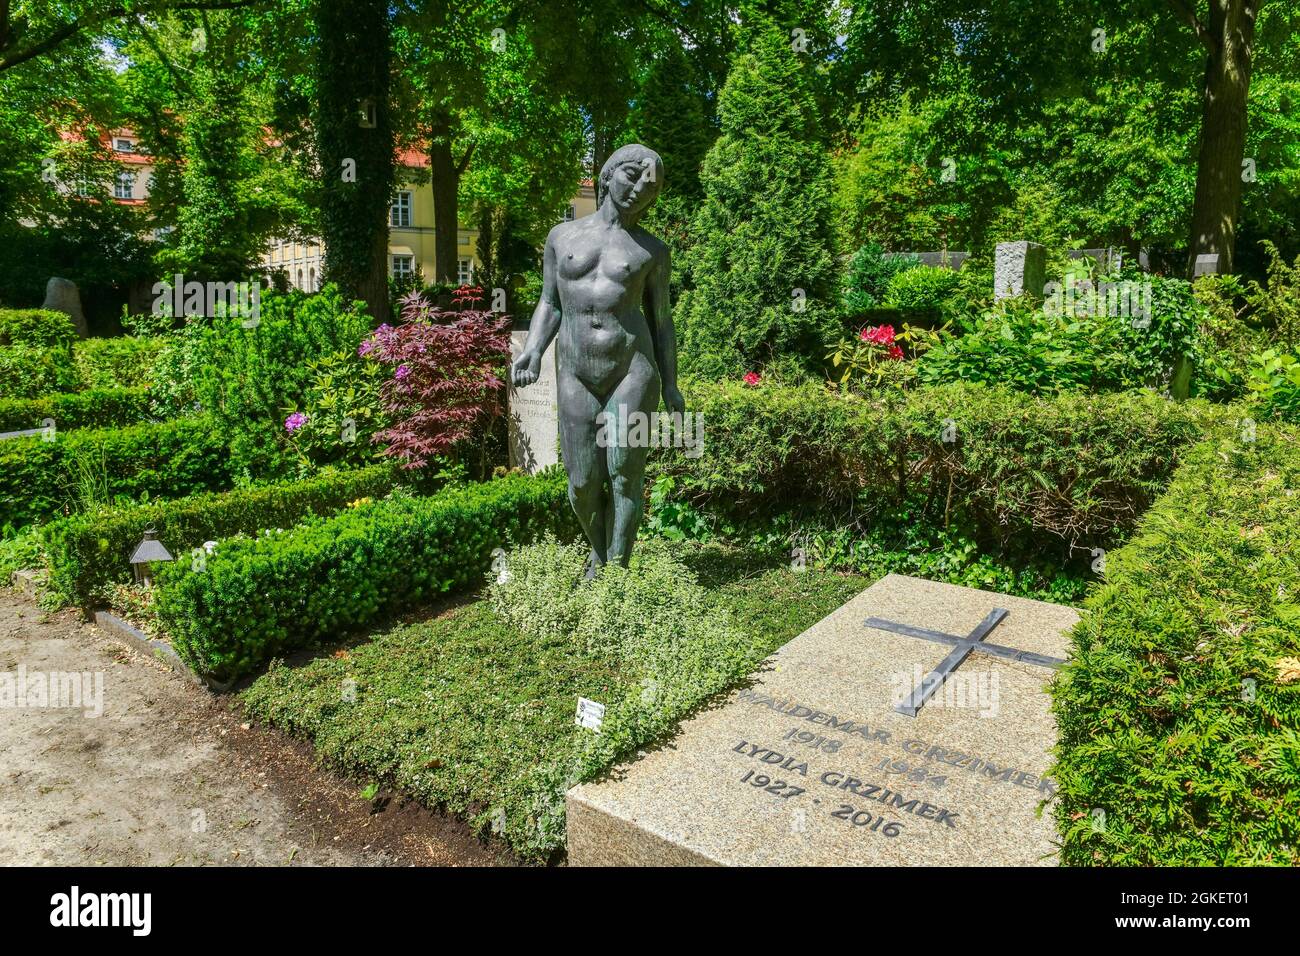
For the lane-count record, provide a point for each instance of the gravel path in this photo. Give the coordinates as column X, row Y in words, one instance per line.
column 170, row 775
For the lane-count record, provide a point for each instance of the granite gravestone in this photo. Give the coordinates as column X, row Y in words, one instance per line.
column 910, row 727
column 534, row 417
column 62, row 295
column 1019, row 267
column 1207, row 264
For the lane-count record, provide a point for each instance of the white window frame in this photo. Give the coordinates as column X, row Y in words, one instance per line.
column 571, row 213
column 123, row 145
column 124, row 185
column 401, row 209
column 465, row 271
column 398, row 272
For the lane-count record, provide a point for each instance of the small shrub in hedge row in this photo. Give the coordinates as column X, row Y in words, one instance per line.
column 1179, row 714
column 88, row 553
column 1077, row 466
column 256, row 599
column 118, row 362
column 97, row 408
column 35, row 327
column 40, row 479
column 30, row 371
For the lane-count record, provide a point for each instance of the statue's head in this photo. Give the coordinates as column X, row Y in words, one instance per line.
column 631, row 178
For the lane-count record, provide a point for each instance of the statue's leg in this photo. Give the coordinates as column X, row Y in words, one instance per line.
column 637, row 392
column 584, row 462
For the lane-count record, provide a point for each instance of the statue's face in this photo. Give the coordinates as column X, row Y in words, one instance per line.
column 633, row 186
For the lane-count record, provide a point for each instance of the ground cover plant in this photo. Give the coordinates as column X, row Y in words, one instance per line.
column 469, row 713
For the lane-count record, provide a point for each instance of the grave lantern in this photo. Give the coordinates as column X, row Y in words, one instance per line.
column 148, row 552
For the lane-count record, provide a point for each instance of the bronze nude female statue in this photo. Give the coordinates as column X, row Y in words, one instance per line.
column 605, row 292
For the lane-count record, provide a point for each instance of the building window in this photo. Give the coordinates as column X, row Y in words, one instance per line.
column 124, row 186
column 311, row 279
column 403, row 267
column 399, row 214
column 571, row 213
column 464, row 271
column 123, row 145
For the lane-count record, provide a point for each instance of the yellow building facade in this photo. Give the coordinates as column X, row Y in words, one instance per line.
column 410, row 220
column 410, row 236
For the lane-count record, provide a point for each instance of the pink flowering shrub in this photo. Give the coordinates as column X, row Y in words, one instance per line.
column 873, row 357
column 446, row 380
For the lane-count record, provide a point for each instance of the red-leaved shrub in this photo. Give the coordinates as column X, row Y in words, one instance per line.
column 446, row 378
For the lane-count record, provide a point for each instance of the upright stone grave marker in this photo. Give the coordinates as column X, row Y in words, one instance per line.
column 1019, row 267
column 1207, row 264
column 534, row 416
column 910, row 727
column 62, row 295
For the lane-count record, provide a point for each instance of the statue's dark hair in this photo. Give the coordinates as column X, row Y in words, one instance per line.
column 624, row 154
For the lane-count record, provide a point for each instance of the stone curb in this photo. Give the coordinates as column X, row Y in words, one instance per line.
column 160, row 650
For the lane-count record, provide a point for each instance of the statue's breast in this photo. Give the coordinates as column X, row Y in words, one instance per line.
column 577, row 255
column 612, row 257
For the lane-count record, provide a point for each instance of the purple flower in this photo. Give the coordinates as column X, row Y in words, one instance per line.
column 365, row 347
column 402, row 372
column 295, row 421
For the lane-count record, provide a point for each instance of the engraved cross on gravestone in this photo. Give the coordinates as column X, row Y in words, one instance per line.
column 961, row 649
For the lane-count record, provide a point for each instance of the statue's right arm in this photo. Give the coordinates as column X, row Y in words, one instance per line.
column 542, row 328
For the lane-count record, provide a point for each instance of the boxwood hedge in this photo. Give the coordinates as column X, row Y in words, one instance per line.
column 38, row 478
column 97, row 408
column 121, row 361
column 35, row 327
column 1077, row 466
column 30, row 371
column 256, row 599
column 1179, row 715
column 89, row 552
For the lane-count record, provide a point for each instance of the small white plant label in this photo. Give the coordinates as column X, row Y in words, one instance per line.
column 590, row 714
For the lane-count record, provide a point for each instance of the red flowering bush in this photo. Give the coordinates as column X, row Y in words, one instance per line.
column 447, row 367
column 863, row 361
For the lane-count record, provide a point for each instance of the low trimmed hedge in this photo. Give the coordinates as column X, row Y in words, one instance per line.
column 1179, row 715
column 121, row 361
column 256, row 599
column 31, row 371
column 87, row 553
column 97, row 408
column 35, row 327
column 38, row 478
column 1079, row 467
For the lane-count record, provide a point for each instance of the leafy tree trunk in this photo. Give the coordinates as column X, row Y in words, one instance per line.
column 354, row 137
column 1228, row 35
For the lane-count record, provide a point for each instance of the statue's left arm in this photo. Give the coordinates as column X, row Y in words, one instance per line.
column 665, row 336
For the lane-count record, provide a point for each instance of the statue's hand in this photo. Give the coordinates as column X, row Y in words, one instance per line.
column 674, row 400
column 526, row 370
